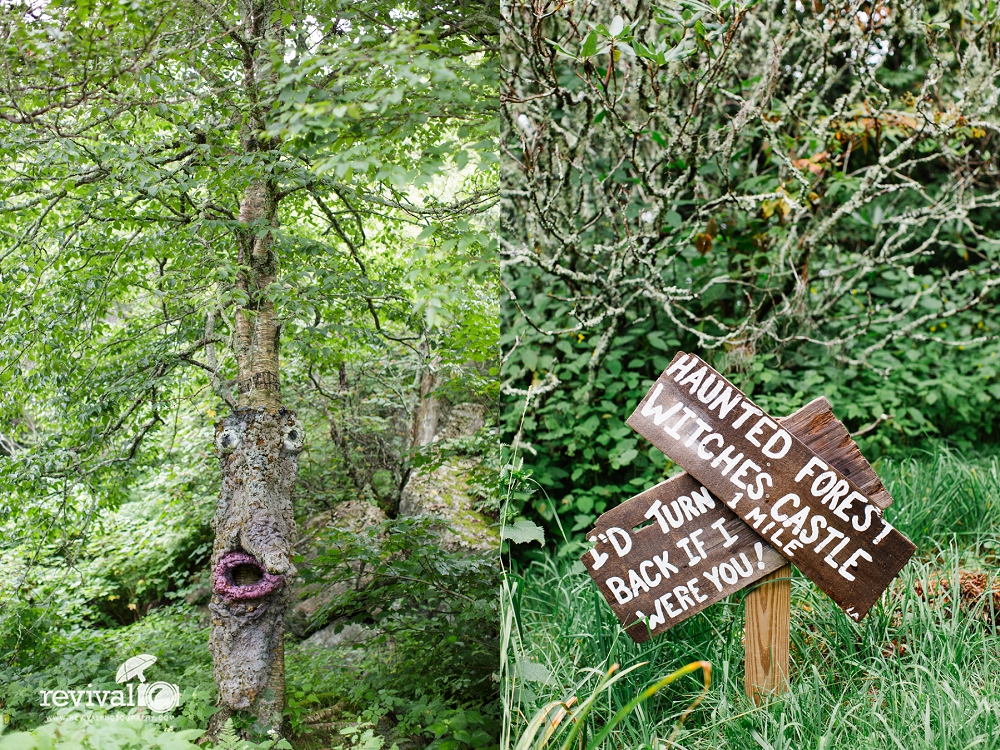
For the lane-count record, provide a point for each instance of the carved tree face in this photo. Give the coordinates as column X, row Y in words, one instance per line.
column 258, row 451
column 251, row 561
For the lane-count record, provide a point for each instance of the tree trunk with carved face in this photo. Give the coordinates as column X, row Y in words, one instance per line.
column 257, row 445
column 251, row 561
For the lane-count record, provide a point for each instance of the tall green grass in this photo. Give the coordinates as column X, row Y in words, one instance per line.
column 919, row 672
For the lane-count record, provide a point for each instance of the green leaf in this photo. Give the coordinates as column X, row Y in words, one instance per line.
column 523, row 532
column 560, row 49
column 656, row 339
column 627, row 457
column 530, row 359
column 532, row 671
column 18, row 741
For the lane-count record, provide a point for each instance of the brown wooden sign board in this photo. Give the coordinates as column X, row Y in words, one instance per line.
column 809, row 509
column 714, row 551
column 695, row 552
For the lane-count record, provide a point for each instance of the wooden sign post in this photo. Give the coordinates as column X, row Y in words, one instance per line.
column 807, row 508
column 758, row 492
column 767, row 626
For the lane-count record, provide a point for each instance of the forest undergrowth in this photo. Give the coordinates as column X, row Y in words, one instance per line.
column 138, row 584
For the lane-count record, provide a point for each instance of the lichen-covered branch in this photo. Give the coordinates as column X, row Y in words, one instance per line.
column 740, row 173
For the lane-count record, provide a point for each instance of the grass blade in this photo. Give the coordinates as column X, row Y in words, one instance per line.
column 652, row 690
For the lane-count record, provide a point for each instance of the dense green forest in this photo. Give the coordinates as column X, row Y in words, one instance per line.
column 249, row 242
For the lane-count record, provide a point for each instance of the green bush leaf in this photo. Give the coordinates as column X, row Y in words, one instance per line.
column 523, row 532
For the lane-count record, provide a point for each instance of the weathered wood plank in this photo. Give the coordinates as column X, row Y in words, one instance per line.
column 829, row 439
column 804, row 506
column 695, row 552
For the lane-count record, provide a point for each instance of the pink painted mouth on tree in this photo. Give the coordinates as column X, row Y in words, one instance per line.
column 239, row 576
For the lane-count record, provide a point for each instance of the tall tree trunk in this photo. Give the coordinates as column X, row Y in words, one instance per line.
column 258, row 448
column 425, row 414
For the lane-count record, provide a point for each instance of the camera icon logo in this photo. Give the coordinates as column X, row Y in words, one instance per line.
column 158, row 697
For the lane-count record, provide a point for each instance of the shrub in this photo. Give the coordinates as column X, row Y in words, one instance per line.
column 805, row 194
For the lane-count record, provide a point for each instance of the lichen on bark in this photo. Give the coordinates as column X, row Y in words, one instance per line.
column 254, row 528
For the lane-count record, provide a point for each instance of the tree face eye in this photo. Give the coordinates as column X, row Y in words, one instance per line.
column 227, row 441
column 292, row 437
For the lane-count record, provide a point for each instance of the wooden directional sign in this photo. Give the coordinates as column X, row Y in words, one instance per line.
column 809, row 509
column 713, row 551
column 691, row 552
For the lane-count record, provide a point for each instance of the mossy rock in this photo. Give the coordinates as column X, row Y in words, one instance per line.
column 444, row 492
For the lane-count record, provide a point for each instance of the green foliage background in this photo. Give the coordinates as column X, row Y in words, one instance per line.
column 804, row 194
